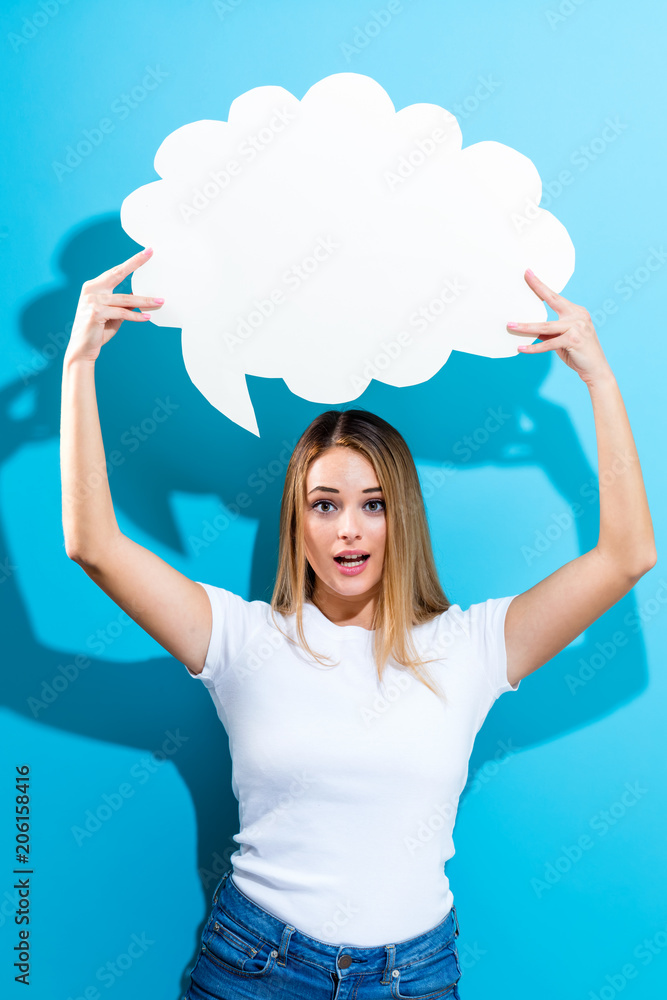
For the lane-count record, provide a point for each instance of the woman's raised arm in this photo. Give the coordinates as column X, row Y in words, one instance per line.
column 549, row 616
column 167, row 604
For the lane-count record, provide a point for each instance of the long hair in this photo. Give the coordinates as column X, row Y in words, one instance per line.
column 410, row 592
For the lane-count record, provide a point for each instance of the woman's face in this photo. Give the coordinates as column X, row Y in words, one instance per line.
column 344, row 509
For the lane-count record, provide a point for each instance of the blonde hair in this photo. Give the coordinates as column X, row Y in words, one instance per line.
column 410, row 591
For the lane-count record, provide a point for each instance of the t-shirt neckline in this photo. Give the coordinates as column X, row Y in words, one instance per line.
column 338, row 632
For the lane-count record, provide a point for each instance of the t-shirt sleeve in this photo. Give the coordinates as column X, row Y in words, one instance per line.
column 234, row 621
column 485, row 623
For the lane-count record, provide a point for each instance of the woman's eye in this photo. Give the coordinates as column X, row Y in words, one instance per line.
column 316, row 505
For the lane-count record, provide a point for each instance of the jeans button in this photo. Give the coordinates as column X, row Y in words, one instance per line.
column 344, row 961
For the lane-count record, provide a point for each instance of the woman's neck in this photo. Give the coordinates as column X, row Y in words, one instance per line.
column 341, row 609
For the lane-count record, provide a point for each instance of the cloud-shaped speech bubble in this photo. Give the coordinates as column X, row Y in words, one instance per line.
column 333, row 240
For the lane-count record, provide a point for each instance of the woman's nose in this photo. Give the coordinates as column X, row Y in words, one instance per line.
column 350, row 529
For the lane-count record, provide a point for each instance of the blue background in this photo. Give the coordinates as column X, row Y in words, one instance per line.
column 548, row 761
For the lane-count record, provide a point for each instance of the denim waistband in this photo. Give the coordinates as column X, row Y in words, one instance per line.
column 290, row 941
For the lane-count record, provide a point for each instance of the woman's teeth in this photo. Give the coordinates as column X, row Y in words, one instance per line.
column 347, row 561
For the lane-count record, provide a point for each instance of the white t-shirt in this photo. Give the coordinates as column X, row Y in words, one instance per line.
column 340, row 782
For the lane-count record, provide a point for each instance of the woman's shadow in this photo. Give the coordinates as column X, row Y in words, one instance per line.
column 195, row 450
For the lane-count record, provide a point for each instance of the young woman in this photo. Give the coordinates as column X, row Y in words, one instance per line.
column 353, row 699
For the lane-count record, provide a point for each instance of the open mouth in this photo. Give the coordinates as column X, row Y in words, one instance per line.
column 351, row 560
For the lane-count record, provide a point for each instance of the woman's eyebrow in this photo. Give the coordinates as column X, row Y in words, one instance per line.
column 330, row 489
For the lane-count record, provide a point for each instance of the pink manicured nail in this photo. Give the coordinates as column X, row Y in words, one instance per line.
column 146, row 315
column 147, row 251
column 158, row 302
column 512, row 326
column 528, row 271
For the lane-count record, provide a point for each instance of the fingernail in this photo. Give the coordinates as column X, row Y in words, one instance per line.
column 147, row 251
column 146, row 315
column 158, row 302
column 512, row 326
column 528, row 271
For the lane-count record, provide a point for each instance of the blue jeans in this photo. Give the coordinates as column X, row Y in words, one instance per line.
column 248, row 954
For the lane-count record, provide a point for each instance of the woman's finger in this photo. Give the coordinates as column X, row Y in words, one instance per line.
column 116, row 274
column 540, row 329
column 544, row 345
column 542, row 290
column 140, row 301
column 109, row 312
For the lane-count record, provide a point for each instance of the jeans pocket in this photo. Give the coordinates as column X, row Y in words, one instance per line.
column 428, row 978
column 235, row 947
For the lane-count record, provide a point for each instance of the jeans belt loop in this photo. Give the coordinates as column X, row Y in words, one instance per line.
column 284, row 944
column 391, row 959
column 220, row 885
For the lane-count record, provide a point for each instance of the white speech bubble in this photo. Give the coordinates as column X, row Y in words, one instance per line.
column 333, row 240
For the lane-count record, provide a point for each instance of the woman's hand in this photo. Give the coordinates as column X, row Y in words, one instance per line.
column 572, row 335
column 100, row 312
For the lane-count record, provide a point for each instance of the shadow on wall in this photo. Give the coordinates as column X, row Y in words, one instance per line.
column 199, row 451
